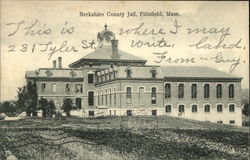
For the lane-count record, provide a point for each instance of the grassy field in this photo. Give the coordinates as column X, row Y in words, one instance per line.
column 121, row 138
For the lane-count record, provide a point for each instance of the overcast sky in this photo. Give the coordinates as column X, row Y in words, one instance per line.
column 54, row 15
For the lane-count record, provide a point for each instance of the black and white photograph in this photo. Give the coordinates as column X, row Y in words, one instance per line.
column 124, row 80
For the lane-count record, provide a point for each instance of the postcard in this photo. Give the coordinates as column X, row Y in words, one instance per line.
column 123, row 80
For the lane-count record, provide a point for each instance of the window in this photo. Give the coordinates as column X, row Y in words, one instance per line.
column 219, row 121
column 168, row 108
column 207, row 108
column 129, row 112
column 219, row 108
column 168, row 90
column 53, row 87
column 91, row 113
column 232, row 122
column 91, row 98
column 110, row 96
column 141, row 95
column 91, row 78
column 154, row 112
column 128, row 94
column 194, row 108
column 206, row 91
column 153, row 72
column 153, row 95
column 43, row 87
column 106, row 97
column 110, row 76
column 194, row 91
column 219, row 91
column 98, row 99
column 231, row 90
column 102, row 97
column 67, row 87
column 231, row 108
column 181, row 108
column 78, row 88
column 181, row 90
column 114, row 96
column 128, row 72
column 78, row 103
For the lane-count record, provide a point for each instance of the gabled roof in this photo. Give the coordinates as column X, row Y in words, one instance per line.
column 194, row 72
column 105, row 54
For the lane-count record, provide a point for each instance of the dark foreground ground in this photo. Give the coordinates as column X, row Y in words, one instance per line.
column 121, row 138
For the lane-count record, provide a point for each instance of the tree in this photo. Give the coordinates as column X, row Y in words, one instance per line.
column 246, row 109
column 67, row 106
column 9, row 108
column 43, row 103
column 51, row 109
column 22, row 97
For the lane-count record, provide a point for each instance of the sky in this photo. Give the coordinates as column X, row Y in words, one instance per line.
column 21, row 52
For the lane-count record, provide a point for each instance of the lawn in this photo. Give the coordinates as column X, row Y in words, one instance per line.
column 121, row 138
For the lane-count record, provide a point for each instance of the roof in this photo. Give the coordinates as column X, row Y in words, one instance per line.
column 138, row 72
column 194, row 72
column 54, row 73
column 105, row 53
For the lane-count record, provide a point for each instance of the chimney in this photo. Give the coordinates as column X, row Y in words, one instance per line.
column 114, row 44
column 59, row 62
column 54, row 64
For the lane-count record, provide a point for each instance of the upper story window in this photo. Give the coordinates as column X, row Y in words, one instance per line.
column 219, row 108
column 206, row 91
column 141, row 95
column 114, row 96
column 231, row 90
column 219, row 91
column 231, row 108
column 168, row 90
column 78, row 88
column 207, row 108
column 153, row 72
column 194, row 90
column 153, row 95
column 129, row 94
column 128, row 71
column 110, row 75
column 43, row 87
column 90, row 78
column 181, row 90
column 53, row 87
column 67, row 87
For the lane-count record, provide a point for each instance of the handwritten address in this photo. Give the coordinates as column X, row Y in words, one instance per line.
column 143, row 37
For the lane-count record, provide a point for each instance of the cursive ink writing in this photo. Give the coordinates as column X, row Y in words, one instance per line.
column 162, row 56
column 219, row 58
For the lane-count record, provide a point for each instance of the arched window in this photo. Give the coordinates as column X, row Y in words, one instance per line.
column 102, row 98
column 231, row 90
column 206, row 91
column 181, row 108
column 53, row 87
column 219, row 108
column 181, row 90
column 153, row 95
column 67, row 87
column 43, row 87
column 114, row 96
column 106, row 97
column 168, row 108
column 141, row 95
column 91, row 98
column 194, row 90
column 207, row 108
column 129, row 94
column 219, row 91
column 168, row 90
column 194, row 108
column 110, row 96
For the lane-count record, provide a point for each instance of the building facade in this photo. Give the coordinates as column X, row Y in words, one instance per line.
column 112, row 82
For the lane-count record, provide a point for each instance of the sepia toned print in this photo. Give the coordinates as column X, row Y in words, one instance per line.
column 124, row 80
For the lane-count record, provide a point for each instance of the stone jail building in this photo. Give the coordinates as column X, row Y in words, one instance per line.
column 112, row 82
